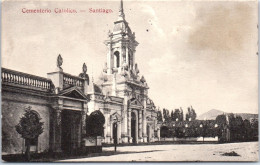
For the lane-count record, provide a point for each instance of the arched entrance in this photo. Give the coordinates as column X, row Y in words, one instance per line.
column 133, row 127
column 115, row 133
column 71, row 123
column 148, row 133
column 115, row 125
column 116, row 59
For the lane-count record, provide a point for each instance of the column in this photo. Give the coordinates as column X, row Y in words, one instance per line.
column 119, row 139
column 153, row 127
column 105, row 127
column 111, row 132
column 122, row 55
column 144, row 118
column 127, row 57
column 57, row 130
column 133, row 59
column 110, row 59
column 79, row 128
column 136, row 126
column 159, row 134
column 114, row 88
column 124, row 121
column 83, row 124
column 129, row 126
column 140, row 126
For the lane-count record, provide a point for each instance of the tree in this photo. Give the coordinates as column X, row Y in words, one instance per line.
column 236, row 127
column 166, row 115
column 159, row 116
column 191, row 114
column 94, row 124
column 29, row 127
column 254, row 129
column 164, row 131
column 173, row 118
column 246, row 129
column 181, row 114
column 176, row 115
column 221, row 120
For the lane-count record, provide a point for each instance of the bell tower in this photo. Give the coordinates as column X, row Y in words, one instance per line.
column 121, row 45
column 121, row 79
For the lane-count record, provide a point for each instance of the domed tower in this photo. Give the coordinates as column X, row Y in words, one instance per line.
column 121, row 45
column 121, row 79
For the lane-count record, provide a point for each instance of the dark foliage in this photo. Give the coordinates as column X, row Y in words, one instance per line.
column 240, row 130
column 164, row 132
column 191, row 114
column 94, row 124
column 29, row 127
column 159, row 116
column 166, row 115
column 195, row 128
column 177, row 115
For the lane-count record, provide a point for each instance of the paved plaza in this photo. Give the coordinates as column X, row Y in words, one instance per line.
column 247, row 151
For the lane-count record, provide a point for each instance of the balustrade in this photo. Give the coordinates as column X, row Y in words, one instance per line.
column 15, row 77
column 73, row 80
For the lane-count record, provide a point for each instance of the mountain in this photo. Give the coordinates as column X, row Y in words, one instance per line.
column 212, row 114
column 247, row 116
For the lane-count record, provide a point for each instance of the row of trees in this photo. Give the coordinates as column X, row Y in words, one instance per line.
column 240, row 130
column 176, row 115
column 224, row 125
column 195, row 128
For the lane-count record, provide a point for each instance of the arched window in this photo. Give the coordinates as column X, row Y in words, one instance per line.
column 129, row 59
column 116, row 59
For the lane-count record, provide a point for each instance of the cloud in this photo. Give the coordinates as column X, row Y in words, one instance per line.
column 154, row 19
column 219, row 27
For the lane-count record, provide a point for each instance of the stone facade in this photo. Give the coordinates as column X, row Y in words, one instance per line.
column 59, row 101
column 63, row 100
column 123, row 92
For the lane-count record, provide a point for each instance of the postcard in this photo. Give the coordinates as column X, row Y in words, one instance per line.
column 129, row 81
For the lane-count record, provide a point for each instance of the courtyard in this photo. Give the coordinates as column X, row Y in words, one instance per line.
column 246, row 151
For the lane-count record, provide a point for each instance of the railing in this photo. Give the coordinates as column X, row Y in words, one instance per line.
column 73, row 80
column 15, row 77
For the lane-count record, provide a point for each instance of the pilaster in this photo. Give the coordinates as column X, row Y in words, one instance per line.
column 140, row 138
column 129, row 126
column 144, row 120
column 57, row 130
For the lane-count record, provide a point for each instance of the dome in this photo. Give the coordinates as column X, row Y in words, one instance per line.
column 122, row 26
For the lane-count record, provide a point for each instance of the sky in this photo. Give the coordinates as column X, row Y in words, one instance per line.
column 192, row 53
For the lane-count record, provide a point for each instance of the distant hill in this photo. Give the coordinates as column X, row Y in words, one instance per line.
column 247, row 115
column 212, row 114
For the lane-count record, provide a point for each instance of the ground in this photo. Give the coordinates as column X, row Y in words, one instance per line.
column 247, row 151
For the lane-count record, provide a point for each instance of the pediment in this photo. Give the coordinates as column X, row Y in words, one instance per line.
column 115, row 117
column 73, row 92
column 135, row 102
column 149, row 118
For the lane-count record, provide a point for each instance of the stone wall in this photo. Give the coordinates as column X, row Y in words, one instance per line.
column 13, row 106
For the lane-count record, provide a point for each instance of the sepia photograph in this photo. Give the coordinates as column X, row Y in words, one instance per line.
column 129, row 81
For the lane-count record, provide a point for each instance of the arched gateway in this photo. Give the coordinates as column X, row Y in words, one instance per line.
column 134, row 133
